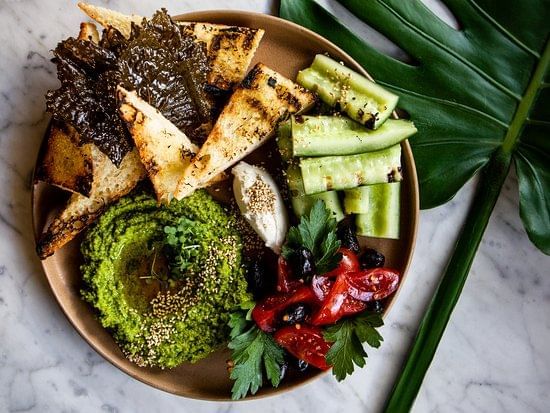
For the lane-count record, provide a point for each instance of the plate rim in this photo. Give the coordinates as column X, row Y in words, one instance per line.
column 204, row 16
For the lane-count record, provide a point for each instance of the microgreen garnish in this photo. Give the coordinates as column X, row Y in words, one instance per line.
column 183, row 245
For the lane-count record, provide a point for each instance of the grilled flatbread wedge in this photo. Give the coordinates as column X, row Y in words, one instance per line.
column 109, row 184
column 250, row 117
column 89, row 32
column 111, row 18
column 64, row 162
column 165, row 151
column 230, row 49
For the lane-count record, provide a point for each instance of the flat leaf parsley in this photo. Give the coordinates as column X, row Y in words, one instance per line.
column 317, row 233
column 253, row 352
column 348, row 336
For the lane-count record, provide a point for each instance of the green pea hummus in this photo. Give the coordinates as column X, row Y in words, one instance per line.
column 156, row 319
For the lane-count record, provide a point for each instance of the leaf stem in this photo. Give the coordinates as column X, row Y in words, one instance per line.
column 439, row 311
column 524, row 107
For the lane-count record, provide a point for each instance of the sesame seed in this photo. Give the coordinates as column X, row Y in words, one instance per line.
column 262, row 198
column 168, row 308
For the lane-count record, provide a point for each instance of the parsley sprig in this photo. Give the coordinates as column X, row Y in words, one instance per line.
column 348, row 336
column 317, row 233
column 253, row 352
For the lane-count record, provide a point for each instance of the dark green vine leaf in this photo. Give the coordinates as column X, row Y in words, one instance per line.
column 473, row 93
column 164, row 64
column 86, row 98
column 168, row 67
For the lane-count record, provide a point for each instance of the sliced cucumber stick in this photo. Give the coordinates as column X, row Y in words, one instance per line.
column 295, row 182
column 333, row 135
column 344, row 172
column 377, row 207
column 363, row 100
column 301, row 203
column 360, row 200
column 284, row 141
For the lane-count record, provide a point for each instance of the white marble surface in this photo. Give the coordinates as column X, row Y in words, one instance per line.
column 494, row 357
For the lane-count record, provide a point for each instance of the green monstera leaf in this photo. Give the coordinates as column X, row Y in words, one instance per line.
column 471, row 92
column 480, row 97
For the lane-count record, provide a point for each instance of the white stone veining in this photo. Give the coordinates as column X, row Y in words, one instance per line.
column 494, row 356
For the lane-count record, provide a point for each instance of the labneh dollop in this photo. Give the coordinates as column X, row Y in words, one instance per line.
column 261, row 204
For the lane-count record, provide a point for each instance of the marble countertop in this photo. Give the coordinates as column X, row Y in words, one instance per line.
column 494, row 356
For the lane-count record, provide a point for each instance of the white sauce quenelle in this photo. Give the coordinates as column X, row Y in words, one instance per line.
column 261, row 204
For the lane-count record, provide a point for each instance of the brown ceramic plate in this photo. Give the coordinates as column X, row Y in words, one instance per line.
column 287, row 48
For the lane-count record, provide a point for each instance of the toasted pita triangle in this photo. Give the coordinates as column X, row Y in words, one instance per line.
column 109, row 184
column 64, row 162
column 165, row 151
column 111, row 18
column 250, row 117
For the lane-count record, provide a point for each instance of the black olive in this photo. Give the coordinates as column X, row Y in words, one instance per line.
column 302, row 365
column 347, row 237
column 372, row 259
column 294, row 314
column 260, row 283
column 284, row 368
column 375, row 306
column 295, row 363
column 303, row 265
